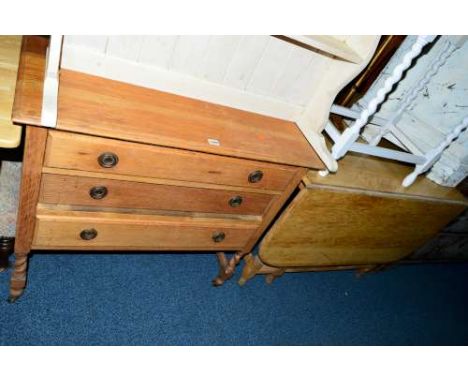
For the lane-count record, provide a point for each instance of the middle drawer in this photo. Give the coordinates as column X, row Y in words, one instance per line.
column 102, row 192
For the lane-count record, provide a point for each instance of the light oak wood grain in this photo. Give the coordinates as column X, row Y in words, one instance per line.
column 359, row 218
column 61, row 230
column 379, row 175
column 80, row 152
column 10, row 48
column 168, row 217
column 275, row 207
column 228, row 267
column 29, row 193
column 28, row 96
column 34, row 149
column 335, row 226
column 66, row 189
column 163, row 181
column 256, row 220
column 98, row 106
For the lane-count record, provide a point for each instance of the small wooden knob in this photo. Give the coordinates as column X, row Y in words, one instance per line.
column 108, row 160
column 255, row 176
column 98, row 192
column 235, row 201
column 88, row 234
column 218, row 237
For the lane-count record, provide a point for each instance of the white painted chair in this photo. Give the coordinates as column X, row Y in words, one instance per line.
column 387, row 128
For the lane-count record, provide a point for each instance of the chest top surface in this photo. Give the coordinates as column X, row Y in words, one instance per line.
column 97, row 106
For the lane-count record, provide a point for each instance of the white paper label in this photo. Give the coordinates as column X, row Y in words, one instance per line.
column 213, row 142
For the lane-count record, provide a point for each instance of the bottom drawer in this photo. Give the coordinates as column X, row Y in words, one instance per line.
column 85, row 230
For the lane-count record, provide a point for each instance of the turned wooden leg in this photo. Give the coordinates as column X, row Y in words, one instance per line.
column 226, row 267
column 18, row 277
column 269, row 278
column 34, row 150
column 6, row 249
column 252, row 264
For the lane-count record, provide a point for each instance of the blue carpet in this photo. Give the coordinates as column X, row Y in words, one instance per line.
column 168, row 300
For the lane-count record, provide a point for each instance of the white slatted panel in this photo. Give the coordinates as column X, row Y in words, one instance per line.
column 221, row 50
column 291, row 78
column 243, row 63
column 307, row 81
column 270, row 67
column 157, row 50
column 126, row 47
column 96, row 43
column 261, row 65
column 189, row 54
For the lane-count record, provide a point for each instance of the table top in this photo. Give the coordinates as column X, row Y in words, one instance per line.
column 10, row 46
column 377, row 175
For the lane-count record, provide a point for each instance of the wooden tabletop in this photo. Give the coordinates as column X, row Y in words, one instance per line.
column 10, row 135
column 98, row 106
column 380, row 175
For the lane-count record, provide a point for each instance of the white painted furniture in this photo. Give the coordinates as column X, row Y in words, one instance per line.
column 388, row 128
column 294, row 78
column 435, row 110
column 51, row 82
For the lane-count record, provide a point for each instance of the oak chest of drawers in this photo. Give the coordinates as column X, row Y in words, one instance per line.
column 129, row 168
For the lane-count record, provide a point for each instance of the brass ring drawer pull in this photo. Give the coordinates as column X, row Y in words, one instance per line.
column 235, row 201
column 218, row 237
column 255, row 176
column 108, row 160
column 98, row 192
column 88, row 234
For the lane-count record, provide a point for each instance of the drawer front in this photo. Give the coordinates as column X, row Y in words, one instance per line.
column 102, row 192
column 85, row 230
column 80, row 152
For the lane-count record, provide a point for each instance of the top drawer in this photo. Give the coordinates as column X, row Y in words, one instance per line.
column 88, row 153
